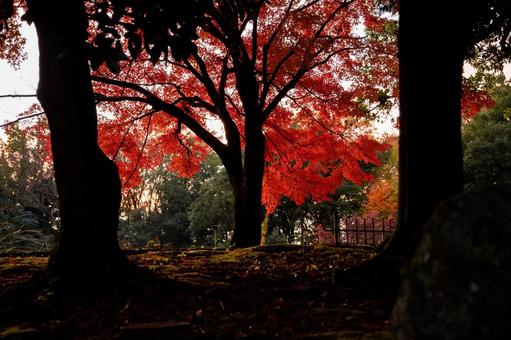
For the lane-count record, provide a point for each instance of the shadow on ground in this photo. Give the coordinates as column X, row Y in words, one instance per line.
column 260, row 292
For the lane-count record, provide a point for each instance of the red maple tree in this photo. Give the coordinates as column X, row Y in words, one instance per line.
column 289, row 82
column 281, row 92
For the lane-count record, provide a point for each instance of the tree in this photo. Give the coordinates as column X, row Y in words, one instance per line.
column 286, row 80
column 11, row 40
column 164, row 218
column 211, row 213
column 302, row 223
column 433, row 170
column 487, row 143
column 176, row 211
column 382, row 194
column 28, row 199
column 87, row 181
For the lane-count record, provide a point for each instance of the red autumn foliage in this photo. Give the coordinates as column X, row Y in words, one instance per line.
column 473, row 101
column 306, row 72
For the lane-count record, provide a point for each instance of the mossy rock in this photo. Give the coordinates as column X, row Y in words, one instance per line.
column 457, row 286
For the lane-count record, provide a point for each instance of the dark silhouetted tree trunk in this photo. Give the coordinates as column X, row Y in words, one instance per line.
column 247, row 189
column 87, row 181
column 432, row 46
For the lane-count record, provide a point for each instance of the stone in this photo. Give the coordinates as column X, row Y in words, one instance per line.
column 458, row 283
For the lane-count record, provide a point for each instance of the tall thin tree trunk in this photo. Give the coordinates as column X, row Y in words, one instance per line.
column 87, row 181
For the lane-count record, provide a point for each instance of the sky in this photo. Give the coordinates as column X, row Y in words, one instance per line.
column 22, row 81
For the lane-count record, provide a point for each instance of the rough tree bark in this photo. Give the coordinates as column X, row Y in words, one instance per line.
column 87, row 181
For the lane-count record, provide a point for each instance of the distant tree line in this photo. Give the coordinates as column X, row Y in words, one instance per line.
column 164, row 209
column 197, row 212
column 28, row 199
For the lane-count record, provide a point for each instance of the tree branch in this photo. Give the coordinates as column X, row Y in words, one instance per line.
column 172, row 110
column 21, row 119
column 17, row 95
column 267, row 83
column 141, row 150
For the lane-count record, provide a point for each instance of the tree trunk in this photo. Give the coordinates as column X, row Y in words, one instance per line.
column 430, row 154
column 87, row 181
column 247, row 187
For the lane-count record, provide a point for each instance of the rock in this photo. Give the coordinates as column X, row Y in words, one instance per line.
column 458, row 285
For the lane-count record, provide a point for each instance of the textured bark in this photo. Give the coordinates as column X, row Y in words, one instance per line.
column 87, row 181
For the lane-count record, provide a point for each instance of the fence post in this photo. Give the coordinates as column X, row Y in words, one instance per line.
column 373, row 230
column 365, row 231
column 346, row 230
column 356, row 230
column 382, row 229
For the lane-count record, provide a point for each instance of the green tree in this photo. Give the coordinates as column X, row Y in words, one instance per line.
column 172, row 221
column 177, row 211
column 487, row 143
column 163, row 217
column 212, row 212
column 28, row 199
column 299, row 223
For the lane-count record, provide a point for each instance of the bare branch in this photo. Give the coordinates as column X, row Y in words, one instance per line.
column 172, row 110
column 21, row 119
column 304, row 7
column 141, row 150
column 132, row 122
column 123, row 139
column 100, row 98
column 18, row 95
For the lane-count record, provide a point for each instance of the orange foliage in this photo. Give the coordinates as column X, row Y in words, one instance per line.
column 382, row 196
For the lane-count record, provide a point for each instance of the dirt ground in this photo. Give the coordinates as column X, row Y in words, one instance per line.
column 256, row 293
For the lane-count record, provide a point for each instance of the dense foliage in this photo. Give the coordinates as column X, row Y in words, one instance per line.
column 487, row 143
column 28, row 199
column 178, row 211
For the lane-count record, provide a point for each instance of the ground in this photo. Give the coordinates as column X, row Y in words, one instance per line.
column 261, row 292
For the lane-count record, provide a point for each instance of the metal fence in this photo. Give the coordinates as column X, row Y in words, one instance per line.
column 362, row 231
